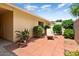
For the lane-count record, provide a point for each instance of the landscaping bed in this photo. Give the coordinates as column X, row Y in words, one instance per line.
column 71, row 53
column 71, row 48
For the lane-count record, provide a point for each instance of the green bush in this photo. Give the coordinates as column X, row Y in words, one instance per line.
column 57, row 29
column 37, row 31
column 72, row 53
column 69, row 33
column 68, row 24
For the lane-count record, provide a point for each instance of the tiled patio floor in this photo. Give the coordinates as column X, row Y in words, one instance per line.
column 71, row 45
column 42, row 47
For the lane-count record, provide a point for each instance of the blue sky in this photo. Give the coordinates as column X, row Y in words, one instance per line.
column 49, row 11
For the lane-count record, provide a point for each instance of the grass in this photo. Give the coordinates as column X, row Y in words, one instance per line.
column 72, row 53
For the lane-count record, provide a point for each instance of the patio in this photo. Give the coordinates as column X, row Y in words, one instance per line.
column 40, row 47
column 71, row 45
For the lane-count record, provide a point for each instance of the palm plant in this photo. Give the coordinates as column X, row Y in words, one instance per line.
column 45, row 27
column 75, row 10
column 23, row 35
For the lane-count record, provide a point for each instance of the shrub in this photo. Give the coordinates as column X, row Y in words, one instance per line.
column 37, row 31
column 57, row 29
column 68, row 24
column 72, row 53
column 22, row 35
column 69, row 33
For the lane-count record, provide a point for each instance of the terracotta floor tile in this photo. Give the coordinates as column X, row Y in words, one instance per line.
column 42, row 47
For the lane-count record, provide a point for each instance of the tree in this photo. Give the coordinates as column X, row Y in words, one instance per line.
column 60, row 20
column 68, row 24
column 75, row 10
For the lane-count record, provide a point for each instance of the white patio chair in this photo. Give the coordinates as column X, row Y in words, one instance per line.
column 49, row 34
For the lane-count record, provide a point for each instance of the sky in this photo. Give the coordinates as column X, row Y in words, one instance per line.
column 49, row 11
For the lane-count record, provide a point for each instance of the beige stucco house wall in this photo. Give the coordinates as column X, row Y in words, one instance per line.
column 76, row 27
column 16, row 19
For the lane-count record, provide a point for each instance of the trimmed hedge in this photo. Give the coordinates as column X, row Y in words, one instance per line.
column 37, row 31
column 57, row 29
column 69, row 33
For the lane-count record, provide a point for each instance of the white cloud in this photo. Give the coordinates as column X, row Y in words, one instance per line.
column 45, row 6
column 61, row 5
column 66, row 10
column 36, row 8
column 30, row 7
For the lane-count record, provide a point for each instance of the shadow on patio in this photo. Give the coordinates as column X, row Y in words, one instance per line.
column 3, row 50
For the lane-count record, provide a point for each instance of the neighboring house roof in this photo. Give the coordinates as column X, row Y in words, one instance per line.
column 26, row 11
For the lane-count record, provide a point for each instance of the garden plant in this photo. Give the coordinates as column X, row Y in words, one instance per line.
column 38, row 31
column 22, row 36
column 57, row 29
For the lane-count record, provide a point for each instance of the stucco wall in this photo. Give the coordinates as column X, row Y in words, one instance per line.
column 21, row 20
column 24, row 20
column 6, row 21
column 76, row 27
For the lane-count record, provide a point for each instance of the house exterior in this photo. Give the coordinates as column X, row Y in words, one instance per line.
column 13, row 19
column 76, row 27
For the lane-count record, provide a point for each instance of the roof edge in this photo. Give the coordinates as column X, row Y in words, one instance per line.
column 25, row 11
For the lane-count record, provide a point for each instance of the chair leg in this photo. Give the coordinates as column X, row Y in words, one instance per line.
column 50, row 37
